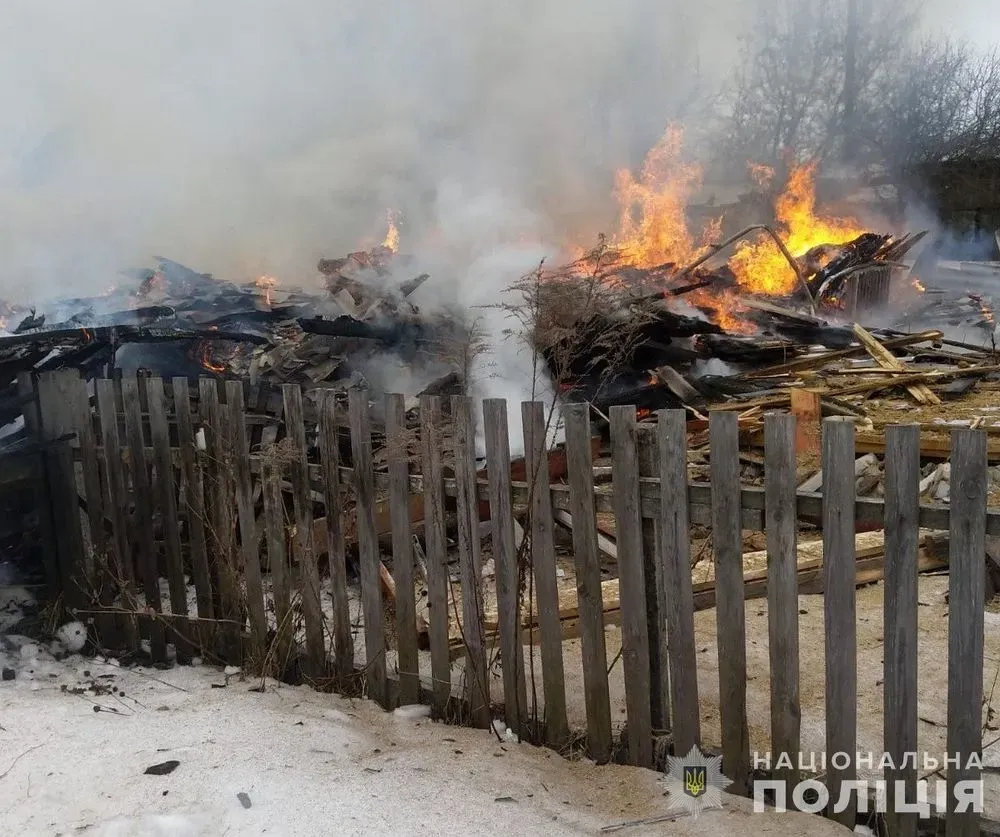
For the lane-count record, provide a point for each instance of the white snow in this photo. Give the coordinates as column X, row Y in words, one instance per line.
column 73, row 636
column 77, row 734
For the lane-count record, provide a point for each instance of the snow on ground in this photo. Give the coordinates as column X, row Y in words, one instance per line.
column 78, row 734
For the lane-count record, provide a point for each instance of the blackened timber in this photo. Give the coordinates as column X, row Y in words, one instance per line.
column 124, row 334
column 344, row 326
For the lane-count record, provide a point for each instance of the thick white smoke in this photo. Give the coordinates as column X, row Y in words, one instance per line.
column 256, row 136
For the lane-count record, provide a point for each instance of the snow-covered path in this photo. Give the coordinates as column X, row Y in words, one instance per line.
column 308, row 764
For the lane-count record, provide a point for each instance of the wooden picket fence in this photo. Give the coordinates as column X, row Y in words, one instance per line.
column 203, row 481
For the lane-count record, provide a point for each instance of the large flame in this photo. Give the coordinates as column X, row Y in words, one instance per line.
column 652, row 229
column 759, row 265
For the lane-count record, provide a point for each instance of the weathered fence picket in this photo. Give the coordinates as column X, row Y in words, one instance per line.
column 162, row 486
column 304, row 552
column 249, row 544
column 194, row 498
column 329, row 443
column 505, row 557
column 402, row 548
column 966, row 598
column 120, row 566
column 166, row 498
column 730, row 608
column 648, row 461
column 214, row 497
column 632, row 585
column 437, row 558
column 477, row 690
column 588, row 582
column 543, row 565
column 782, row 592
column 371, row 591
column 152, row 623
column 902, row 541
column 840, row 613
column 675, row 559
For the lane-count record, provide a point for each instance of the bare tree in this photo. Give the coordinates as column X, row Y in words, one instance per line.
column 942, row 100
column 809, row 69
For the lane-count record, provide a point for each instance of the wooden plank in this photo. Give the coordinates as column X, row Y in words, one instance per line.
column 476, row 690
column 165, row 493
column 100, row 567
column 46, row 552
column 143, row 517
column 83, row 422
column 194, row 498
column 329, row 449
column 505, row 556
column 809, row 505
column 902, row 543
column 588, row 582
column 840, row 610
column 276, row 529
column 121, row 564
column 727, row 546
column 402, row 548
column 869, row 568
column 659, row 694
column 57, row 398
column 303, row 547
column 966, row 592
column 635, row 639
column 249, row 543
column 214, row 497
column 371, row 594
column 675, row 562
column 931, row 447
column 807, row 408
column 782, row 592
column 815, row 361
column 605, row 544
column 884, row 358
column 543, row 563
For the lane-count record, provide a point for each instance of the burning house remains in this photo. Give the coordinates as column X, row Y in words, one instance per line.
column 654, row 315
column 290, row 458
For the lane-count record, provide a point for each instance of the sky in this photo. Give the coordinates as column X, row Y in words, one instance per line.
column 977, row 21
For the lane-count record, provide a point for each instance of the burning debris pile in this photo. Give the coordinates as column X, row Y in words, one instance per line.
column 655, row 315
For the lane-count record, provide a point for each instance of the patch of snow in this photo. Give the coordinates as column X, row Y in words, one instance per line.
column 75, row 744
column 413, row 712
column 73, row 636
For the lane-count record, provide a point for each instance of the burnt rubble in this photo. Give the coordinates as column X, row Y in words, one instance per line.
column 608, row 331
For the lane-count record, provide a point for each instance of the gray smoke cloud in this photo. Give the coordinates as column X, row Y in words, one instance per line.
column 256, row 136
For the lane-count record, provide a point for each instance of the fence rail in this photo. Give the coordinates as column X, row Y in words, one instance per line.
column 172, row 490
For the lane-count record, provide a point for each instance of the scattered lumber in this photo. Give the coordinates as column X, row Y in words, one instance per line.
column 870, row 551
column 887, row 360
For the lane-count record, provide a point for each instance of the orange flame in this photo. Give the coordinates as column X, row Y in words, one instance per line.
column 652, row 228
column 918, row 285
column 391, row 240
column 205, row 357
column 760, row 267
column 266, row 284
